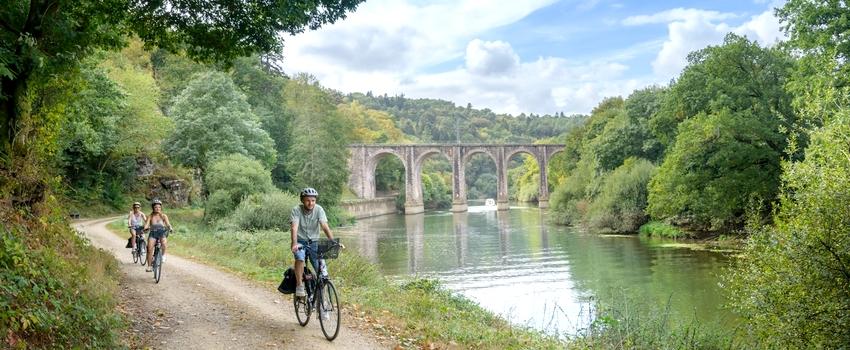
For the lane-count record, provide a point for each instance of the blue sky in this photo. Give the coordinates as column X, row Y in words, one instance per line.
column 538, row 56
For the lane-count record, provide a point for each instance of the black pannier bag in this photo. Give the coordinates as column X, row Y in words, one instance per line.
column 287, row 286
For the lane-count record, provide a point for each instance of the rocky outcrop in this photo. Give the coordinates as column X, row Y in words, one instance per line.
column 173, row 187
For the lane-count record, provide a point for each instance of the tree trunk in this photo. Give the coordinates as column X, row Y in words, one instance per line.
column 13, row 91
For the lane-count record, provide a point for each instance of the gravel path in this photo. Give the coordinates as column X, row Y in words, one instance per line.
column 198, row 307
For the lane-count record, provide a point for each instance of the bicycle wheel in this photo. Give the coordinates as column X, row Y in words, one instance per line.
column 135, row 253
column 157, row 265
column 143, row 254
column 302, row 309
column 329, row 311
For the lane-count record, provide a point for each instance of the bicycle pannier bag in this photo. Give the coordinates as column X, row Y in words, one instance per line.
column 287, row 286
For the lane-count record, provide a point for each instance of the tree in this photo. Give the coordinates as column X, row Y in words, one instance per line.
column 319, row 151
column 263, row 87
column 212, row 118
column 40, row 37
column 726, row 153
column 791, row 284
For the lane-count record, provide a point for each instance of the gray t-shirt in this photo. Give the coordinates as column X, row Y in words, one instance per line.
column 308, row 223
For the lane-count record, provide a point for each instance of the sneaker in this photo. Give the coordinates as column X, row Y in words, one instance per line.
column 326, row 315
column 163, row 258
column 300, row 292
column 149, row 269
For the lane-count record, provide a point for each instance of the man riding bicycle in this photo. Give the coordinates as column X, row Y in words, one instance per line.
column 305, row 220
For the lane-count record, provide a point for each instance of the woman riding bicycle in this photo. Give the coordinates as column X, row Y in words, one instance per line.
column 135, row 222
column 304, row 223
column 159, row 226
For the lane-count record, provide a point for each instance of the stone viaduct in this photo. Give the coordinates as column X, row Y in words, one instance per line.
column 364, row 159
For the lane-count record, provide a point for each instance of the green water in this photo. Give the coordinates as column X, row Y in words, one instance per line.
column 541, row 275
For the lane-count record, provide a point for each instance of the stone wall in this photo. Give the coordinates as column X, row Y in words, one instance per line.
column 364, row 208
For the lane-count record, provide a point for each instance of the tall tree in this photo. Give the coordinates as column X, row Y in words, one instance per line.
column 319, row 153
column 212, row 119
column 792, row 285
column 729, row 155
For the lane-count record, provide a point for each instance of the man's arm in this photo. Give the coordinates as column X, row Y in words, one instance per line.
column 327, row 230
column 293, row 234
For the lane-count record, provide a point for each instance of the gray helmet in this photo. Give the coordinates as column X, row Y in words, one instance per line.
column 309, row 192
column 155, row 202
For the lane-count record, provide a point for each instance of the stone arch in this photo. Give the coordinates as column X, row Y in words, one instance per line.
column 419, row 159
column 532, row 152
column 372, row 165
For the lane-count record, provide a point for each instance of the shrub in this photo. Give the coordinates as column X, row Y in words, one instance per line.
column 265, row 211
column 660, row 229
column 620, row 205
column 236, row 176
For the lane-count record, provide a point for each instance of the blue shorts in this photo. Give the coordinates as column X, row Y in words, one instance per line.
column 301, row 254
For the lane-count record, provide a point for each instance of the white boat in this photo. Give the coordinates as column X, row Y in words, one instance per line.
column 490, row 202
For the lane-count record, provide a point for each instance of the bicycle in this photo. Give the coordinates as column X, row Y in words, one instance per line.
column 140, row 253
column 156, row 264
column 321, row 293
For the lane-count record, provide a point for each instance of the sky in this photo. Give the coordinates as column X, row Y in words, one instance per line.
column 520, row 56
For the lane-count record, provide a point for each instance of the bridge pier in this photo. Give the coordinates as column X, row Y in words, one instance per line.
column 364, row 159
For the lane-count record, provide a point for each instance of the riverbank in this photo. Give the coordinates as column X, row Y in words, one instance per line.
column 416, row 313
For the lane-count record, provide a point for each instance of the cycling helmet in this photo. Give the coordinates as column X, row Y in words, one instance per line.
column 309, row 192
column 155, row 202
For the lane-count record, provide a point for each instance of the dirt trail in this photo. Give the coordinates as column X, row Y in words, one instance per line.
column 198, row 307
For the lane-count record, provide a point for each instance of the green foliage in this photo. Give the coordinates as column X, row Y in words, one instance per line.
column 232, row 178
column 526, row 180
column 726, row 154
column 792, row 283
column 719, row 165
column 389, row 174
column 263, row 87
column 268, row 210
column 56, row 290
column 661, row 229
column 213, row 119
column 318, row 155
column 369, row 125
column 630, row 324
column 619, row 206
column 435, row 193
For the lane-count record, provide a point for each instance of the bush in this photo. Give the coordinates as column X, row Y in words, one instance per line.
column 235, row 176
column 660, row 229
column 219, row 204
column 620, row 205
column 265, row 211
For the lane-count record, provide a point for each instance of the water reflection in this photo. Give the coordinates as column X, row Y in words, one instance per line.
column 536, row 274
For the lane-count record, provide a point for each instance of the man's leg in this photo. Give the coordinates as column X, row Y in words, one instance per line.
column 299, row 273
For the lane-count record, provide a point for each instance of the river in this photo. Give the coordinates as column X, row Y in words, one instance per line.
column 541, row 275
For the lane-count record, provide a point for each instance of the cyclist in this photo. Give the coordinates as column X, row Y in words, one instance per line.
column 305, row 220
column 157, row 223
column 135, row 221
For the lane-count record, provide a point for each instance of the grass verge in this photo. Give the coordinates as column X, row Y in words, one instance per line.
column 417, row 313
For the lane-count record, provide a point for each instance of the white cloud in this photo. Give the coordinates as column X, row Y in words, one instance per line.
column 490, row 57
column 693, row 29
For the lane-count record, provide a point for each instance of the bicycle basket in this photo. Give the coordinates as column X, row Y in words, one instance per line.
column 328, row 249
